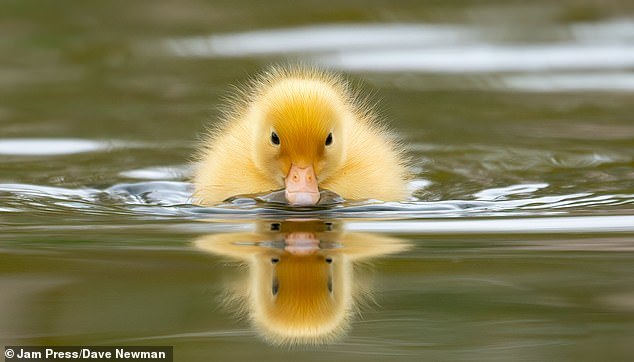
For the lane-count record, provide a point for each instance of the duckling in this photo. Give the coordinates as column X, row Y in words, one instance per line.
column 300, row 129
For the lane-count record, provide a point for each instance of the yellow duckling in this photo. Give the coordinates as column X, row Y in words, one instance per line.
column 300, row 129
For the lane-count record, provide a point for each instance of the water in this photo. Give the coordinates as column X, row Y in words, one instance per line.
column 517, row 243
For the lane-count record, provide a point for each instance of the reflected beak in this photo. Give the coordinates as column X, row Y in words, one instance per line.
column 301, row 243
column 301, row 186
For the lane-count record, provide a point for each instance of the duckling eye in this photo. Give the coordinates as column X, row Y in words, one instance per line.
column 275, row 139
column 329, row 139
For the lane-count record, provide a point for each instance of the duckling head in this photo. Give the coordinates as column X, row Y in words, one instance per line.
column 300, row 135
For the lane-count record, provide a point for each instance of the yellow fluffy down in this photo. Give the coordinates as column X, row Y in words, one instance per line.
column 303, row 105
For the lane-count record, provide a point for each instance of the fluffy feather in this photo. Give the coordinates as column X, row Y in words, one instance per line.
column 302, row 105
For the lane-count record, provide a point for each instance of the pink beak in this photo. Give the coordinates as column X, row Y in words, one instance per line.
column 301, row 186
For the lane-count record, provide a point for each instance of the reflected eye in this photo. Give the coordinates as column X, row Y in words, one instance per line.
column 275, row 287
column 275, row 139
column 329, row 139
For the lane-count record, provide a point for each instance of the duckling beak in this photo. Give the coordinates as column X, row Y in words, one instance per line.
column 301, row 186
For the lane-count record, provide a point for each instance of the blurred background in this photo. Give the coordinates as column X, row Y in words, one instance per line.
column 461, row 71
column 494, row 78
column 518, row 117
column 485, row 76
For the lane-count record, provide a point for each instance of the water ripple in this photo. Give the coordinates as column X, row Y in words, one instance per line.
column 61, row 146
column 173, row 199
column 394, row 47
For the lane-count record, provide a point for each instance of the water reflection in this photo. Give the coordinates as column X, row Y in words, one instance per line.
column 50, row 146
column 301, row 286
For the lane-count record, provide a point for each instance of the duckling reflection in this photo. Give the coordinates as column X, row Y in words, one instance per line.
column 301, row 286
